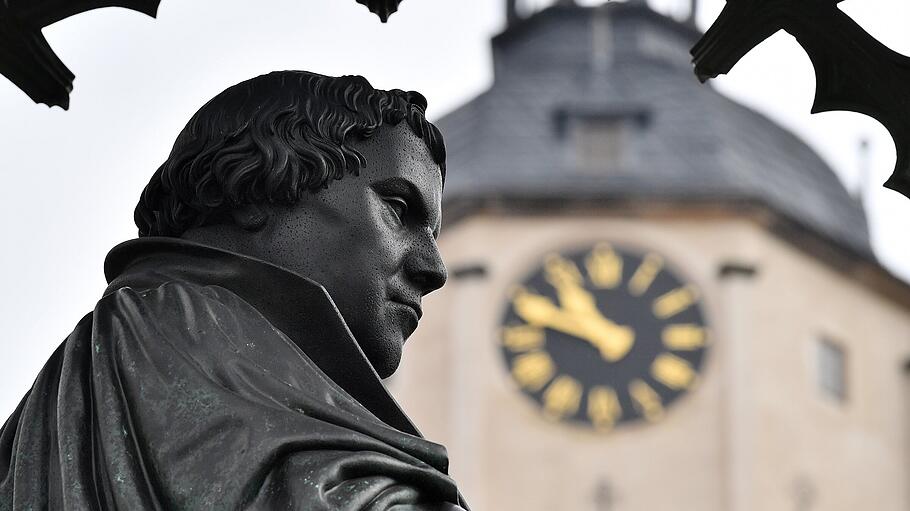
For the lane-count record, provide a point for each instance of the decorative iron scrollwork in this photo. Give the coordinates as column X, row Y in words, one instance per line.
column 28, row 61
column 381, row 8
column 853, row 70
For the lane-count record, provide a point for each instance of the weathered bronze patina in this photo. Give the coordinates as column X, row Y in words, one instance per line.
column 234, row 360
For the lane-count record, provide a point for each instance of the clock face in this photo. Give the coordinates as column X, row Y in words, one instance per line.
column 604, row 336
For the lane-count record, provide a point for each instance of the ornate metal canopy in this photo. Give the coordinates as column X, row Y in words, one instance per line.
column 28, row 61
column 381, row 8
column 853, row 70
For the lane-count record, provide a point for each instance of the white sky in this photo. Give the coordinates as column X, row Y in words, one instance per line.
column 71, row 179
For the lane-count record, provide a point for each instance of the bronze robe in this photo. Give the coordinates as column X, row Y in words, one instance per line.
column 205, row 379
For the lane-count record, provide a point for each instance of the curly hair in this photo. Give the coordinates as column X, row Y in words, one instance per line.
column 272, row 139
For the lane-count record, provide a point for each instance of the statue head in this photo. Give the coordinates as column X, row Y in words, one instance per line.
column 326, row 177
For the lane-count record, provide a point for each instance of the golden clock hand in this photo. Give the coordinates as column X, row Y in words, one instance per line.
column 564, row 276
column 620, row 340
column 539, row 311
column 613, row 341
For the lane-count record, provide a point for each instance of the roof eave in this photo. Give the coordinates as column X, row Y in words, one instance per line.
column 855, row 264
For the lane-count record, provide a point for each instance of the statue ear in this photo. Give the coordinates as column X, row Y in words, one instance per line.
column 250, row 217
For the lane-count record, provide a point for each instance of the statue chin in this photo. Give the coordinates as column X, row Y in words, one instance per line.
column 386, row 360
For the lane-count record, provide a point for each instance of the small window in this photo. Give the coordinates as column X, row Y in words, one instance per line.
column 599, row 143
column 601, row 140
column 832, row 369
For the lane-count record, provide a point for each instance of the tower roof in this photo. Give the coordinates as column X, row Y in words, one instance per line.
column 600, row 103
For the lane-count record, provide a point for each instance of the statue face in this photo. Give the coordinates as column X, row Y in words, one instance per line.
column 370, row 240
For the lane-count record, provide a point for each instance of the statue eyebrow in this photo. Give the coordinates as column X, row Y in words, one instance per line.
column 405, row 188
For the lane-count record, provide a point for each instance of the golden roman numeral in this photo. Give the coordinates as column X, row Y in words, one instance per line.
column 533, row 370
column 646, row 400
column 683, row 337
column 562, row 397
column 603, row 407
column 645, row 273
column 562, row 272
column 522, row 337
column 674, row 302
column 672, row 371
column 604, row 266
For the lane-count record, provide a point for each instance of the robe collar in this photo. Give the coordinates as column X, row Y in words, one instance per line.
column 301, row 308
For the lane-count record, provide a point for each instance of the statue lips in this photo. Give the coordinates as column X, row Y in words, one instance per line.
column 412, row 307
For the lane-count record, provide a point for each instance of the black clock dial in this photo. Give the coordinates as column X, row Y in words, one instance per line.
column 604, row 336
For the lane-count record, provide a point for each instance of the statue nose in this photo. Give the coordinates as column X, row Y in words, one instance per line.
column 432, row 280
column 427, row 269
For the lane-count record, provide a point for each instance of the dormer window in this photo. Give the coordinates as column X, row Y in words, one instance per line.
column 599, row 143
column 600, row 140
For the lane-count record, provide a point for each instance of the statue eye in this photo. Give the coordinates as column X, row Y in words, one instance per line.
column 398, row 206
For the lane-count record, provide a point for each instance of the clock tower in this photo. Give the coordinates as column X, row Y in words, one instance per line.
column 658, row 299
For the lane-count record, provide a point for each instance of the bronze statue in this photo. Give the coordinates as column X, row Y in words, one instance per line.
column 234, row 361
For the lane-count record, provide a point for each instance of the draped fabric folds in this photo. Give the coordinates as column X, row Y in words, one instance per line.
column 181, row 395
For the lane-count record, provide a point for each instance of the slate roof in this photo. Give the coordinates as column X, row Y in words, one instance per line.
column 688, row 142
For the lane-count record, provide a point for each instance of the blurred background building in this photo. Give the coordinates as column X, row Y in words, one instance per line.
column 787, row 390
column 658, row 298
